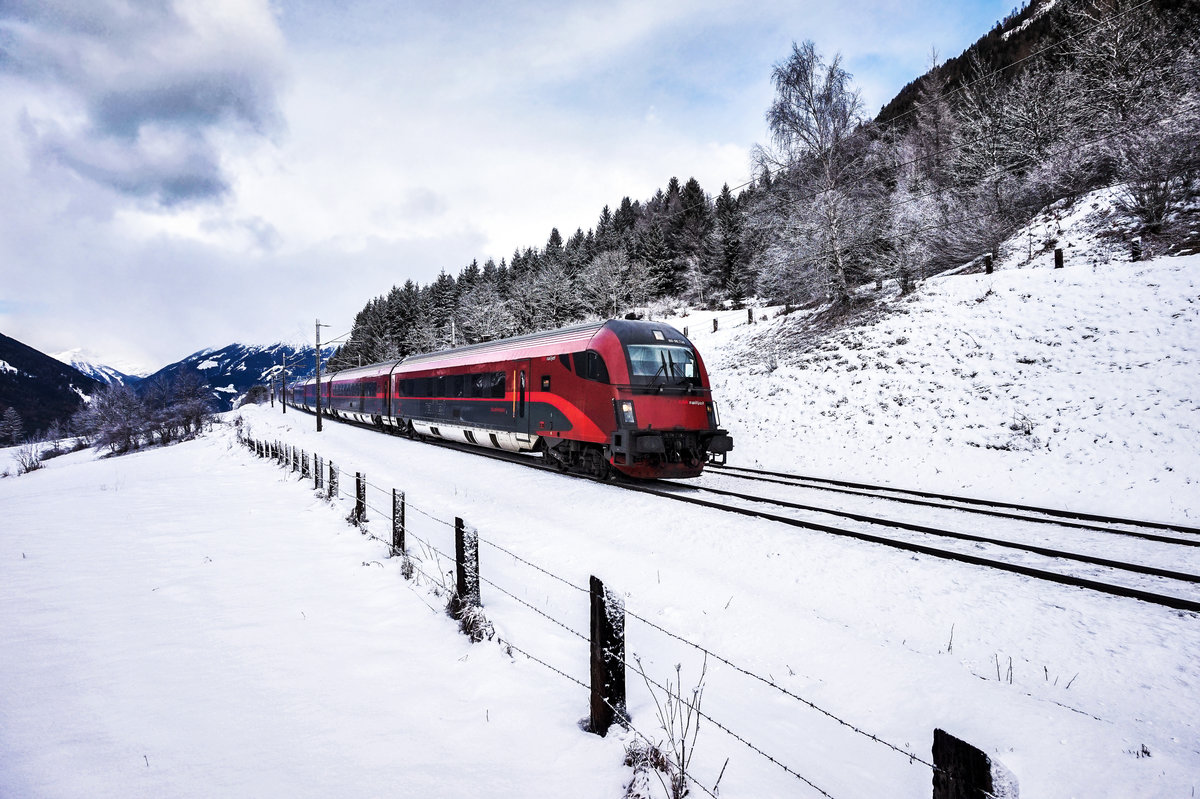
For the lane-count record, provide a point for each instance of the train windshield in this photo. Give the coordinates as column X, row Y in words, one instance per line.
column 663, row 365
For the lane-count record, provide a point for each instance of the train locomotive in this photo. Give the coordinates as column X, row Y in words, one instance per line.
column 620, row 396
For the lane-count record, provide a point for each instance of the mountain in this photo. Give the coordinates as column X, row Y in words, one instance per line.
column 1036, row 27
column 232, row 370
column 91, row 366
column 41, row 389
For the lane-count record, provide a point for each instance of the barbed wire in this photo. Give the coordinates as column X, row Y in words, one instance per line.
column 699, row 647
column 678, row 696
column 532, row 565
column 720, row 658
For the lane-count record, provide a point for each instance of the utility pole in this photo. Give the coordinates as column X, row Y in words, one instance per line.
column 283, row 384
column 319, row 326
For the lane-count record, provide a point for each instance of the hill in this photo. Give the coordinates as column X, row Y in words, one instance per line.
column 1070, row 387
column 41, row 389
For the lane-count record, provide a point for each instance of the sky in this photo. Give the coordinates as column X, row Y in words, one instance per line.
column 181, row 175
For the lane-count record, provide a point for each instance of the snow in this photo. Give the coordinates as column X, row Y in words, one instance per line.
column 1066, row 388
column 95, row 366
column 5, row 366
column 194, row 621
column 208, row 363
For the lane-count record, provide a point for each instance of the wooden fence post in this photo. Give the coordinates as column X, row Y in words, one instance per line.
column 304, row 472
column 360, row 498
column 466, row 566
column 714, row 325
column 749, row 316
column 1058, row 258
column 608, row 658
column 333, row 482
column 1135, row 249
column 317, row 466
column 987, row 264
column 397, row 522
column 963, row 772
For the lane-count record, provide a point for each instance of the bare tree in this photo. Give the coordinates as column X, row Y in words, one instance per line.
column 815, row 112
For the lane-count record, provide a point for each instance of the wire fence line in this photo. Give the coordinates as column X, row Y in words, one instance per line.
column 297, row 461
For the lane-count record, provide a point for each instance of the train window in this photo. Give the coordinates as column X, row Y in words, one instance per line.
column 490, row 385
column 521, row 403
column 439, row 388
column 668, row 365
column 590, row 366
column 565, row 360
column 456, row 385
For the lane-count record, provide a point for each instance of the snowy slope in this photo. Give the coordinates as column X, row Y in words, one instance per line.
column 1072, row 388
column 92, row 366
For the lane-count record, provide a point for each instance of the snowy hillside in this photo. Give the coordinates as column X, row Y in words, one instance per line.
column 92, row 366
column 1074, row 388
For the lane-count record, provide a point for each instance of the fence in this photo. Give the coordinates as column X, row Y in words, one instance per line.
column 958, row 770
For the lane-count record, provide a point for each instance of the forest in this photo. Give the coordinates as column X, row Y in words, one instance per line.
column 1058, row 100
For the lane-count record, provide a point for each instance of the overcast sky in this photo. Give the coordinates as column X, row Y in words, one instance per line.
column 181, row 175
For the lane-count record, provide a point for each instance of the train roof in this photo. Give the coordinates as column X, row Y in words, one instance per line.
column 534, row 345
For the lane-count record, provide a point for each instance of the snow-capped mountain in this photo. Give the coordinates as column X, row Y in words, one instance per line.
column 90, row 365
column 232, row 370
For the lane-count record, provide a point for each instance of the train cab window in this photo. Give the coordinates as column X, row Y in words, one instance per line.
column 565, row 360
column 590, row 366
column 663, row 364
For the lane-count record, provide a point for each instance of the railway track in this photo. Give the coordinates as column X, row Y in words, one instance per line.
column 1156, row 563
column 1149, row 561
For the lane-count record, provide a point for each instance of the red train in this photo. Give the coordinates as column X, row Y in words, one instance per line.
column 618, row 395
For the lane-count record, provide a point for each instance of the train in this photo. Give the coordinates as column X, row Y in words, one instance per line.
column 618, row 397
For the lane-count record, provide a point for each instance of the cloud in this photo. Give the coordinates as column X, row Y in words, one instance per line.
column 134, row 95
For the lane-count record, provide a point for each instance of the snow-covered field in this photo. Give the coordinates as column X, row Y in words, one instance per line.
column 193, row 621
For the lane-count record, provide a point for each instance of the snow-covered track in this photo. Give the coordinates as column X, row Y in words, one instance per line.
column 1147, row 582
column 1009, row 510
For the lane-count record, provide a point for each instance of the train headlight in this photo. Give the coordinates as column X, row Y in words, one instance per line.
column 625, row 413
column 714, row 418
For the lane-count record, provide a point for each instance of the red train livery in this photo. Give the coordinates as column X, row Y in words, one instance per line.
column 618, row 395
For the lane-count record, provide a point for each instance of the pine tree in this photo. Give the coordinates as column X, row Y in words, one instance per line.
column 11, row 426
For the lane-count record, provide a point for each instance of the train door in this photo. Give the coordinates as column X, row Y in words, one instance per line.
column 521, row 399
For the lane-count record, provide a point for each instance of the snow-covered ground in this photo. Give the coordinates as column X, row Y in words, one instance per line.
column 192, row 621
column 1074, row 387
